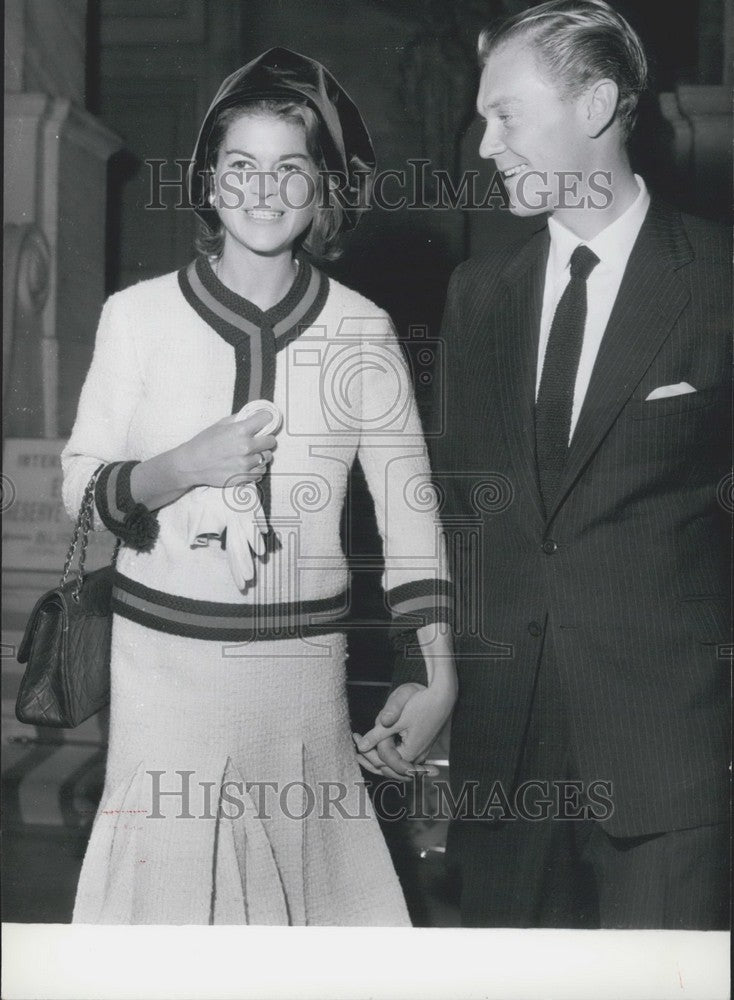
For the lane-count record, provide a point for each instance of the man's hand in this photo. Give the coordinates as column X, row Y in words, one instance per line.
column 405, row 730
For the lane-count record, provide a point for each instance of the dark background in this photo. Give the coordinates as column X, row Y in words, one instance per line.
column 410, row 66
column 147, row 70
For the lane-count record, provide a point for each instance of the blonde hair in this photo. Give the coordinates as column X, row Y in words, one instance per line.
column 578, row 42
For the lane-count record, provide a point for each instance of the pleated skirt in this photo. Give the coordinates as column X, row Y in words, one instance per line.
column 232, row 791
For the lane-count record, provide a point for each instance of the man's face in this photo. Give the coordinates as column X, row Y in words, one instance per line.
column 533, row 132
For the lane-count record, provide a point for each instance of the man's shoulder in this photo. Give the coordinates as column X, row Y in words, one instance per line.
column 489, row 266
column 710, row 241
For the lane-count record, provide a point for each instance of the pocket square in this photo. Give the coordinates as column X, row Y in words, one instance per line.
column 663, row 391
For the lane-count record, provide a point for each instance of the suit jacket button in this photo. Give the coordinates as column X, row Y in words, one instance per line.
column 549, row 546
column 535, row 628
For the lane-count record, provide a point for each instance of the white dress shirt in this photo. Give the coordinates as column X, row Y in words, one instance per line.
column 613, row 247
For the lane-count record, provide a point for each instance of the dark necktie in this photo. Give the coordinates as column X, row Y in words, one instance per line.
column 555, row 396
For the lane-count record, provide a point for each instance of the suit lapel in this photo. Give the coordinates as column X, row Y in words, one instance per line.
column 649, row 301
column 517, row 321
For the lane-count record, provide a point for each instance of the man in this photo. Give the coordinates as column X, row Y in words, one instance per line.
column 588, row 372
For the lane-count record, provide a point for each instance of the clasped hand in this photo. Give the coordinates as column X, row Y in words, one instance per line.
column 405, row 730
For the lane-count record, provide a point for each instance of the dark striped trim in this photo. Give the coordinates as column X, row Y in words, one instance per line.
column 420, row 602
column 224, row 622
column 255, row 335
column 112, row 493
column 131, row 522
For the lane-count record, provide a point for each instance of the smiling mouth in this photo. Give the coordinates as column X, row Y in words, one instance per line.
column 513, row 170
column 264, row 214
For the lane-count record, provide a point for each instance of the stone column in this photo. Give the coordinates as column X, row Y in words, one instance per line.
column 55, row 183
column 55, row 188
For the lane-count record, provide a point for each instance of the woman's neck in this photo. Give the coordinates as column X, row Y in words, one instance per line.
column 264, row 281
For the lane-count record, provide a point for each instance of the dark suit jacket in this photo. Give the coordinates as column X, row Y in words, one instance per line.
column 627, row 577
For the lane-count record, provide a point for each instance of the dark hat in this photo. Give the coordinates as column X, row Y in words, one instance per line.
column 280, row 73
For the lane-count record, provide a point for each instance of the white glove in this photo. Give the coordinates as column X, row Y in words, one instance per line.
column 246, row 531
column 236, row 509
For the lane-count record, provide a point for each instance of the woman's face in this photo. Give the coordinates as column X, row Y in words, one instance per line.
column 265, row 184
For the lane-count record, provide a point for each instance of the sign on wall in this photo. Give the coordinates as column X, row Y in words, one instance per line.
column 36, row 528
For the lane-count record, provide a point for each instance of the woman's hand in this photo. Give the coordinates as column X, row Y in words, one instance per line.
column 413, row 714
column 228, row 453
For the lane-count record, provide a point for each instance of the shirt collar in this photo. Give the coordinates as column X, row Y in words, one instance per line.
column 612, row 245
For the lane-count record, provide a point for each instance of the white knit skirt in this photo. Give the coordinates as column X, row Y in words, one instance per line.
column 232, row 793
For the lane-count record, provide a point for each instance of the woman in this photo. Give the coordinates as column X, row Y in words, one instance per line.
column 232, row 792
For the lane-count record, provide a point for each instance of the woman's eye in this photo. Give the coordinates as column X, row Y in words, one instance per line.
column 288, row 168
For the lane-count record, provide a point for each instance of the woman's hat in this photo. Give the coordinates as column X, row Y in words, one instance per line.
column 343, row 136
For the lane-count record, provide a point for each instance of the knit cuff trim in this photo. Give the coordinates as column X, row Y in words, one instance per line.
column 135, row 525
column 420, row 602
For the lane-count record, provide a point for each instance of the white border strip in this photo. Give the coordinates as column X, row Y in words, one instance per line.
column 56, row 962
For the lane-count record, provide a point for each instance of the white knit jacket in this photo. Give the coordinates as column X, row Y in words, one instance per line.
column 160, row 375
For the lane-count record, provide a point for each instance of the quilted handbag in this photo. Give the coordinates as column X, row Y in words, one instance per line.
column 66, row 644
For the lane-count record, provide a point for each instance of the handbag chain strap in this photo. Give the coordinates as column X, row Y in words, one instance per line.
column 81, row 537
